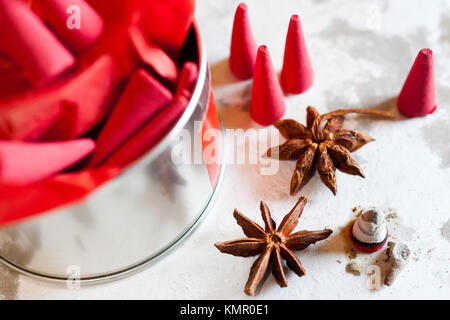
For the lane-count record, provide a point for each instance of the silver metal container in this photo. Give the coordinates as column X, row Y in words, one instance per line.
column 128, row 222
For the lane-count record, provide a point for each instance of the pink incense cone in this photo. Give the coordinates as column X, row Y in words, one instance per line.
column 143, row 98
column 65, row 111
column 149, row 135
column 267, row 104
column 74, row 21
column 86, row 99
column 297, row 74
column 417, row 97
column 166, row 22
column 188, row 78
column 243, row 45
column 28, row 118
column 65, row 125
column 27, row 162
column 153, row 55
column 26, row 40
column 12, row 82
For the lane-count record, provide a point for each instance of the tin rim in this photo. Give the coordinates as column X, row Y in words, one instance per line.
column 153, row 154
column 135, row 268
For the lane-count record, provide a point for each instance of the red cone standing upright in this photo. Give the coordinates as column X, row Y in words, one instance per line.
column 243, row 45
column 297, row 74
column 267, row 104
column 417, row 97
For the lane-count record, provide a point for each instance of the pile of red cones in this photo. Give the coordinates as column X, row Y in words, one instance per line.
column 87, row 87
column 267, row 104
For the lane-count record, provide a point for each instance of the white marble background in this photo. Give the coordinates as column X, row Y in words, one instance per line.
column 361, row 52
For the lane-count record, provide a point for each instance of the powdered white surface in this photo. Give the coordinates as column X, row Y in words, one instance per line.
column 361, row 52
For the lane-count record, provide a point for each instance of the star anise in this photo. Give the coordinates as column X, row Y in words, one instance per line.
column 329, row 146
column 272, row 244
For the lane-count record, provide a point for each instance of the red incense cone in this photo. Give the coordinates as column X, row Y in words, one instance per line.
column 166, row 22
column 188, row 78
column 297, row 74
column 74, row 21
column 24, row 162
column 417, row 97
column 65, row 125
column 243, row 46
column 149, row 135
column 153, row 55
column 26, row 40
column 12, row 82
column 267, row 104
column 66, row 111
column 143, row 98
column 29, row 118
column 86, row 99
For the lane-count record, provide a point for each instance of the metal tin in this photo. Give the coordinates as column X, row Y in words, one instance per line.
column 130, row 221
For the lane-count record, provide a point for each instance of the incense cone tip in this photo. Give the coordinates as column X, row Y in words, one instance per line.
column 295, row 18
column 425, row 56
column 263, row 49
column 426, row 52
column 242, row 7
